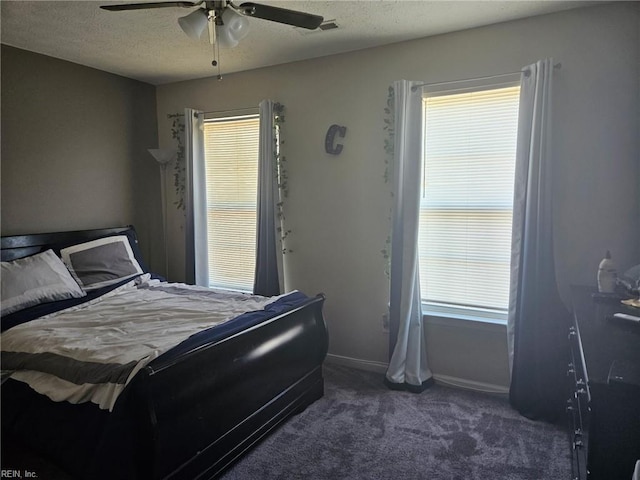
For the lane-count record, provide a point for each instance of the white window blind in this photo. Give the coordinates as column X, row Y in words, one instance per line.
column 467, row 202
column 231, row 152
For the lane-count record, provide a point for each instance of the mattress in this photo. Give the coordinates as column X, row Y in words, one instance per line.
column 90, row 352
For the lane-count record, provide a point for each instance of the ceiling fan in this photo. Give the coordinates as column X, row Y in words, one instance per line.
column 216, row 8
column 227, row 22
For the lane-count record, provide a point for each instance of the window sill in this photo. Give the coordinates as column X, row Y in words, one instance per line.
column 434, row 312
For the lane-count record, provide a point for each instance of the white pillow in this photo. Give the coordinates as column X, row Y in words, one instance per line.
column 100, row 263
column 33, row 280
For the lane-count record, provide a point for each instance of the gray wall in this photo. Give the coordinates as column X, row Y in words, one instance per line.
column 74, row 143
column 339, row 206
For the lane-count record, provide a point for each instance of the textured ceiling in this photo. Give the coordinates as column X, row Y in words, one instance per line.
column 148, row 45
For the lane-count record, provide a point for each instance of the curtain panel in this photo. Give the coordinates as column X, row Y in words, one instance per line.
column 197, row 256
column 267, row 279
column 408, row 367
column 537, row 319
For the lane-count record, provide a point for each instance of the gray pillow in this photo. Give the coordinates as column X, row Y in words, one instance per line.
column 33, row 280
column 100, row 263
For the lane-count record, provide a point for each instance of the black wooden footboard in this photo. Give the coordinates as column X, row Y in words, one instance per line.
column 206, row 408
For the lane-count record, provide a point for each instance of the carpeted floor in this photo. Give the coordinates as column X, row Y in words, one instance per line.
column 362, row 430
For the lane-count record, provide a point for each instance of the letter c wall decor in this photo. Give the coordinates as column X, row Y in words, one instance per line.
column 329, row 140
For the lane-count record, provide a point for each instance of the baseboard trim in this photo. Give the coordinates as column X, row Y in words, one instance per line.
column 380, row 367
column 368, row 365
column 471, row 384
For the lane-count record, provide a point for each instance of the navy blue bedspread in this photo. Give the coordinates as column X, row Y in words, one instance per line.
column 235, row 325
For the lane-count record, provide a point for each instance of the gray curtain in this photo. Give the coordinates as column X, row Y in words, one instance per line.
column 537, row 320
column 197, row 256
column 408, row 367
column 268, row 251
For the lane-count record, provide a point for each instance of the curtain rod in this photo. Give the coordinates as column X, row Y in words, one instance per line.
column 234, row 110
column 526, row 73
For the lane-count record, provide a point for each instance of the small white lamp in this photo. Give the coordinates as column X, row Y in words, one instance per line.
column 164, row 156
column 195, row 23
column 233, row 29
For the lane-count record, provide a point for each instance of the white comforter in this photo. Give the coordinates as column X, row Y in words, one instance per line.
column 106, row 341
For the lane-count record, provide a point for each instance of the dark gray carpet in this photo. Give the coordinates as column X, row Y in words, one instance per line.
column 362, row 430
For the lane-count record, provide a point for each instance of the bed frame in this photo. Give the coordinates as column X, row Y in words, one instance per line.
column 193, row 416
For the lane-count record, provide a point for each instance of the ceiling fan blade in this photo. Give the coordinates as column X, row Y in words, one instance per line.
column 282, row 15
column 140, row 6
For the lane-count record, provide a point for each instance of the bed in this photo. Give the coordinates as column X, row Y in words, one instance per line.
column 190, row 408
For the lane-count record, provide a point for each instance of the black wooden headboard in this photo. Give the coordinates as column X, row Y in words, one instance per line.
column 18, row 246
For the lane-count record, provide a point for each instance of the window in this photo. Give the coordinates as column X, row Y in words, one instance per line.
column 467, row 201
column 231, row 158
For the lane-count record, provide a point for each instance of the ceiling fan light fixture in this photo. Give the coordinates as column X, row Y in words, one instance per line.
column 234, row 28
column 195, row 23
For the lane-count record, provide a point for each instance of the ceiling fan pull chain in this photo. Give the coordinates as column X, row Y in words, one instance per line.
column 214, row 62
column 215, row 45
column 218, row 55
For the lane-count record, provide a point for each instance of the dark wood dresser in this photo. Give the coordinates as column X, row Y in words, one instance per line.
column 604, row 392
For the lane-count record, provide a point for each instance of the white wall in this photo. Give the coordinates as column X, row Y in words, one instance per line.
column 339, row 205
